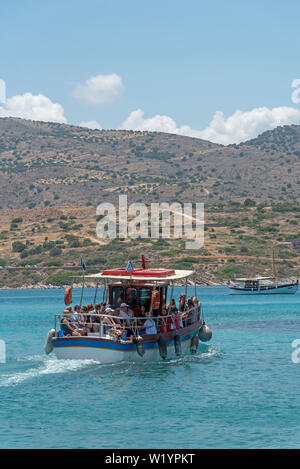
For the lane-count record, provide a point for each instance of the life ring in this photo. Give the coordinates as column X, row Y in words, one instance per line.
column 68, row 296
column 155, row 299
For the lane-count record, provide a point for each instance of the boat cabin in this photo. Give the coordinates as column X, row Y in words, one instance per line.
column 135, row 296
column 251, row 283
column 142, row 287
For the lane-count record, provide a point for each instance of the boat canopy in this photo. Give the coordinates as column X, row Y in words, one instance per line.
column 152, row 275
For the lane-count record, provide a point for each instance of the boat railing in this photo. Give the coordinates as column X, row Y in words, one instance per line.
column 102, row 323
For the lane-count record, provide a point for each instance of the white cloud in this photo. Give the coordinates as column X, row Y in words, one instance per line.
column 241, row 126
column 91, row 125
column 38, row 107
column 238, row 127
column 99, row 90
column 158, row 123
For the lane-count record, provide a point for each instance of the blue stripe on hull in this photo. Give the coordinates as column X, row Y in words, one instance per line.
column 113, row 345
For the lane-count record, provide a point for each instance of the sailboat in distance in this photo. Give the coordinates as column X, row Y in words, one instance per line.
column 263, row 285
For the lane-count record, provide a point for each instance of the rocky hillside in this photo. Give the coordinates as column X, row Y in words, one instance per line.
column 47, row 165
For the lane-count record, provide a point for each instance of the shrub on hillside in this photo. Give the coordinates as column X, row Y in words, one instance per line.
column 18, row 246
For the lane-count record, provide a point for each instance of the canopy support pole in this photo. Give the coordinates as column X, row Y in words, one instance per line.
column 82, row 289
column 95, row 296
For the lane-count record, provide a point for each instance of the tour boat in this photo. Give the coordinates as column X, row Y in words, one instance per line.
column 138, row 287
column 262, row 286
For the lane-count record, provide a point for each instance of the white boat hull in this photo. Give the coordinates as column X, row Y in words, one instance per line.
column 113, row 353
column 270, row 291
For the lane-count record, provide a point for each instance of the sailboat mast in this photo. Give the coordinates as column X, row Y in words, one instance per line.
column 273, row 266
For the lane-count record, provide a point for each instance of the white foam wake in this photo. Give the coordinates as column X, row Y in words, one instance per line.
column 49, row 366
column 199, row 357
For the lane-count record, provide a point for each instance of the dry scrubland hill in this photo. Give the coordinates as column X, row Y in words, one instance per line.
column 45, row 245
column 59, row 173
column 47, row 164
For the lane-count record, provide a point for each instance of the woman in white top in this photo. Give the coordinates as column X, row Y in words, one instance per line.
column 149, row 325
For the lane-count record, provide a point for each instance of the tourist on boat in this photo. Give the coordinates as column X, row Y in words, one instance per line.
column 175, row 316
column 111, row 324
column 149, row 325
column 76, row 318
column 187, row 316
column 107, row 320
column 91, row 313
column 96, row 318
column 141, row 315
column 172, row 306
column 118, row 327
column 197, row 306
column 90, row 308
column 84, row 321
column 165, row 321
column 73, row 318
column 177, row 319
column 76, row 314
column 70, row 311
column 182, row 302
column 67, row 325
column 127, row 315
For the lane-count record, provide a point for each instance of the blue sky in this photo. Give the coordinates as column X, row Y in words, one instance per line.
column 183, row 60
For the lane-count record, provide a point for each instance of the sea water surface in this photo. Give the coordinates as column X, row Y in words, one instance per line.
column 241, row 390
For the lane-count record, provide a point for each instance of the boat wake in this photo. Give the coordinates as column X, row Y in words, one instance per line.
column 49, row 366
column 206, row 356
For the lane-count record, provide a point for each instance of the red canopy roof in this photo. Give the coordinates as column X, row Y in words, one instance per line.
column 159, row 273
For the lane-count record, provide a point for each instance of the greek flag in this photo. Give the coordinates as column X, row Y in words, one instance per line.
column 82, row 264
column 129, row 267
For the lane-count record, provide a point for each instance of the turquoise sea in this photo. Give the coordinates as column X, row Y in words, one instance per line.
column 241, row 390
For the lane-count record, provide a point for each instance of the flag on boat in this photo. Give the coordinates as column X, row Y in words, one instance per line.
column 82, row 264
column 129, row 267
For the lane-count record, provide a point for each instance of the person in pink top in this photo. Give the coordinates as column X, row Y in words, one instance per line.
column 165, row 321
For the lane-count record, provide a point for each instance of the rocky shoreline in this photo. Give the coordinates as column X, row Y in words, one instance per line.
column 41, row 286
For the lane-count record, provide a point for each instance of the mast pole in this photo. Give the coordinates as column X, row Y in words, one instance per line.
column 273, row 262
